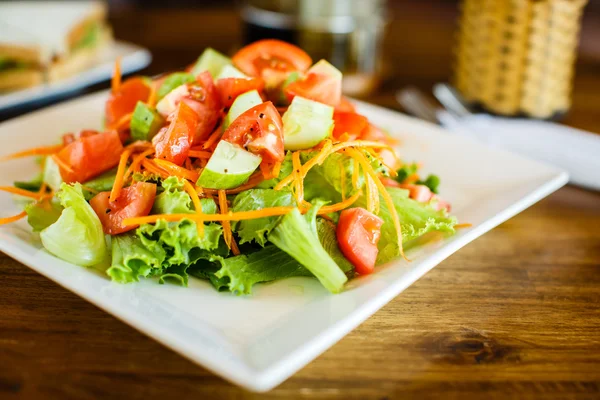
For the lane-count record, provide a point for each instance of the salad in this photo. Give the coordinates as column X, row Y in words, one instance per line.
column 236, row 170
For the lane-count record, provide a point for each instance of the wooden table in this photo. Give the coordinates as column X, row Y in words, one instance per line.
column 514, row 314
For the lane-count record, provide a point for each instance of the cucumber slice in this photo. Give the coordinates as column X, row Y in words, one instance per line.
column 211, row 61
column 52, row 176
column 145, row 122
column 173, row 81
column 241, row 104
column 229, row 71
column 325, row 68
column 306, row 123
column 229, row 167
column 169, row 103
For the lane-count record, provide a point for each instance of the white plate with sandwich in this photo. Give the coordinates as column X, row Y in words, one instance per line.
column 51, row 48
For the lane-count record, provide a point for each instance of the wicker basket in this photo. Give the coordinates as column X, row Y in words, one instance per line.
column 516, row 57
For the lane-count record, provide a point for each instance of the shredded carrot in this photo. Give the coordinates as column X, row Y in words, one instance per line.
column 318, row 159
column 120, row 177
column 360, row 143
column 174, row 169
column 115, row 83
column 37, row 151
column 139, row 145
column 154, row 169
column 462, row 226
column 412, row 178
column 152, row 97
column 137, row 161
column 199, row 154
column 277, row 169
column 62, row 164
column 189, row 189
column 213, row 138
column 386, row 196
column 340, row 206
column 8, row 220
column 227, row 234
column 21, row 192
column 123, row 122
column 230, row 216
column 188, row 164
column 43, row 188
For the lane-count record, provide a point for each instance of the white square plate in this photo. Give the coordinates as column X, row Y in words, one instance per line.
column 260, row 340
column 133, row 58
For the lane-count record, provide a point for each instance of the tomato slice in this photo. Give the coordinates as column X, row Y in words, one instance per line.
column 358, row 232
column 260, row 131
column 90, row 156
column 318, row 87
column 204, row 99
column 230, row 88
column 134, row 201
column 271, row 60
column 173, row 143
column 349, row 122
column 124, row 100
column 345, row 105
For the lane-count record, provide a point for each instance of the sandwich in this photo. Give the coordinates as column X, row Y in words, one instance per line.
column 45, row 41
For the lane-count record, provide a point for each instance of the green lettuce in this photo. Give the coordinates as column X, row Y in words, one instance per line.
column 131, row 259
column 41, row 215
column 328, row 239
column 297, row 235
column 33, row 185
column 174, row 200
column 416, row 219
column 268, row 264
column 77, row 235
column 257, row 199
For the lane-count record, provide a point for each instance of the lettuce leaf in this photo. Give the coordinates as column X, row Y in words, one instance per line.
column 33, row 185
column 257, row 199
column 297, row 235
column 77, row 235
column 268, row 264
column 328, row 239
column 131, row 259
column 43, row 214
column 174, row 200
column 416, row 219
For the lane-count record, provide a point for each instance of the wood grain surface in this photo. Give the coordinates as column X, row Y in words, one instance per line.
column 515, row 314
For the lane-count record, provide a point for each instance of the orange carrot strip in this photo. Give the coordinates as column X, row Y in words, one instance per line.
column 340, row 206
column 36, row 151
column 137, row 161
column 227, row 234
column 199, row 154
column 115, row 83
column 277, row 169
column 123, row 122
column 174, row 169
column 213, row 138
column 153, row 168
column 119, row 179
column 61, row 163
column 298, row 183
column 8, row 220
column 21, row 192
column 360, row 143
column 462, row 226
column 189, row 189
column 230, row 216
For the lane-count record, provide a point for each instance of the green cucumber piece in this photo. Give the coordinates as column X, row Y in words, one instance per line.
column 211, row 61
column 241, row 104
column 52, row 176
column 229, row 167
column 229, row 71
column 172, row 81
column 145, row 122
column 306, row 123
column 325, row 68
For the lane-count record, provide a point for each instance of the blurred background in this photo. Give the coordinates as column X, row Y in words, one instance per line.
column 415, row 47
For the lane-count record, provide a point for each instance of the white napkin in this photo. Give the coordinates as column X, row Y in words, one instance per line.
column 574, row 150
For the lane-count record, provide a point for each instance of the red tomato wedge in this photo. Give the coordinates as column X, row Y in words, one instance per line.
column 204, row 99
column 230, row 88
column 90, row 156
column 349, row 122
column 318, row 87
column 134, row 201
column 271, row 60
column 124, row 100
column 358, row 232
column 345, row 105
column 173, row 143
column 260, row 131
